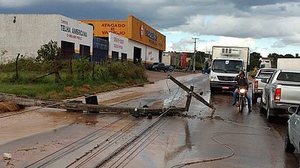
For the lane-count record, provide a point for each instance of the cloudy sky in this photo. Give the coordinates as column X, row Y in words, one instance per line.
column 266, row 26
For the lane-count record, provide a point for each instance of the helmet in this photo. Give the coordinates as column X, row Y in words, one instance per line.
column 241, row 73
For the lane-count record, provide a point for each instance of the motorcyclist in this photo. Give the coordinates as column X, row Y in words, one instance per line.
column 242, row 82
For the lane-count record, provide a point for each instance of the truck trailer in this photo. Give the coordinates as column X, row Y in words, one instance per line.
column 227, row 61
column 288, row 63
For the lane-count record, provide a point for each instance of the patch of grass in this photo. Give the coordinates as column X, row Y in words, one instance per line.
column 107, row 77
column 51, row 91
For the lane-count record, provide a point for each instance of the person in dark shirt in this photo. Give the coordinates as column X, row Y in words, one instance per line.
column 242, row 82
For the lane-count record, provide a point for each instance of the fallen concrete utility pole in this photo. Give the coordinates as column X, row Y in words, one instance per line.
column 78, row 106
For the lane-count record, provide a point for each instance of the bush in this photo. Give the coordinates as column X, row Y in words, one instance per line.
column 82, row 67
column 126, row 70
column 101, row 73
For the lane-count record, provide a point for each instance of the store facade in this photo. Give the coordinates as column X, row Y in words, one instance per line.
column 145, row 44
column 25, row 34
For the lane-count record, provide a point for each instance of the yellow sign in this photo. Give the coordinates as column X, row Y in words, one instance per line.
column 132, row 28
column 143, row 33
column 103, row 27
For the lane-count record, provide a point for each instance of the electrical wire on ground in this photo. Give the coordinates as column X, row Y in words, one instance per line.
column 83, row 139
column 134, row 139
column 214, row 138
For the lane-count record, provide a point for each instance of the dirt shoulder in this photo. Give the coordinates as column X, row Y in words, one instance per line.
column 154, row 76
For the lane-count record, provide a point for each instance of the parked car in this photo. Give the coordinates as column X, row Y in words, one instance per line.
column 258, row 84
column 292, row 140
column 158, row 66
column 281, row 91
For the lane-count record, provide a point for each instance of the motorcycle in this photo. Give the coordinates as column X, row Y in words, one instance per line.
column 242, row 99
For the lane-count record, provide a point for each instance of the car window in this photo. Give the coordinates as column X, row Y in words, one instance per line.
column 272, row 77
column 298, row 111
column 267, row 70
column 265, row 75
column 289, row 76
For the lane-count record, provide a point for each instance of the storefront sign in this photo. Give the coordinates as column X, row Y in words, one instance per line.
column 103, row 28
column 151, row 34
column 143, row 33
column 72, row 32
column 76, row 32
column 118, row 43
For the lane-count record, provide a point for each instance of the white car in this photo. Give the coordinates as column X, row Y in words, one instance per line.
column 259, row 84
column 292, row 140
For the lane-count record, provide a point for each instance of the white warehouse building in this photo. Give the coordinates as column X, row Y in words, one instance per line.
column 25, row 34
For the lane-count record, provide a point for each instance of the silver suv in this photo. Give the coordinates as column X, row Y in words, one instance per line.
column 292, row 140
column 259, row 82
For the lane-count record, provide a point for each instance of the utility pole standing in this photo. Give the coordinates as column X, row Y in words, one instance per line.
column 194, row 58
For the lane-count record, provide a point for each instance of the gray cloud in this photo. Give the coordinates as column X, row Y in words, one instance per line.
column 278, row 44
column 235, row 18
column 183, row 44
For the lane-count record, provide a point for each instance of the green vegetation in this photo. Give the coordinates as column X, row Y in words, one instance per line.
column 51, row 77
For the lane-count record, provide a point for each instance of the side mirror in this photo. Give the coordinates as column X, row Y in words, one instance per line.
column 293, row 109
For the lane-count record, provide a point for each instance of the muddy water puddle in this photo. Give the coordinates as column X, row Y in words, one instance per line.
column 39, row 121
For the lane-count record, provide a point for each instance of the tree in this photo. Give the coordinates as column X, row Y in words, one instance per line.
column 51, row 53
column 288, row 56
column 199, row 60
column 254, row 60
column 274, row 56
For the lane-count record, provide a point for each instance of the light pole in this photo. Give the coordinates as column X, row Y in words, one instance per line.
column 194, row 58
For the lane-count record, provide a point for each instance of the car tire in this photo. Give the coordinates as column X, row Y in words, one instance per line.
column 261, row 108
column 269, row 117
column 288, row 146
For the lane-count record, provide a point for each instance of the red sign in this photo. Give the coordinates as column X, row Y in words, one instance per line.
column 183, row 60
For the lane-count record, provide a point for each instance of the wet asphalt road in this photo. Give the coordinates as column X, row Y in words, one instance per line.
column 231, row 139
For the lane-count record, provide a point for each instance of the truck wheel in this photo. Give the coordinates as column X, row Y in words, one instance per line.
column 288, row 146
column 212, row 90
column 261, row 108
column 270, row 118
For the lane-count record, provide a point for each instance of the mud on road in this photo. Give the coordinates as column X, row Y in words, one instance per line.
column 231, row 139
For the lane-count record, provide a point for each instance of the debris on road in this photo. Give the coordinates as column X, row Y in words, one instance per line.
column 27, row 149
column 9, row 106
column 7, row 156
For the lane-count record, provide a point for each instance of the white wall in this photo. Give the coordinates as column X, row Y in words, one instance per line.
column 30, row 31
column 148, row 54
column 118, row 44
column 152, row 55
column 25, row 35
column 166, row 58
column 131, row 46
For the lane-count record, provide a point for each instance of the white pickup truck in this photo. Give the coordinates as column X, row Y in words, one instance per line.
column 281, row 91
column 258, row 84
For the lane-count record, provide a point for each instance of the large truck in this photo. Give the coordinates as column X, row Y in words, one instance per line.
column 227, row 61
column 288, row 63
